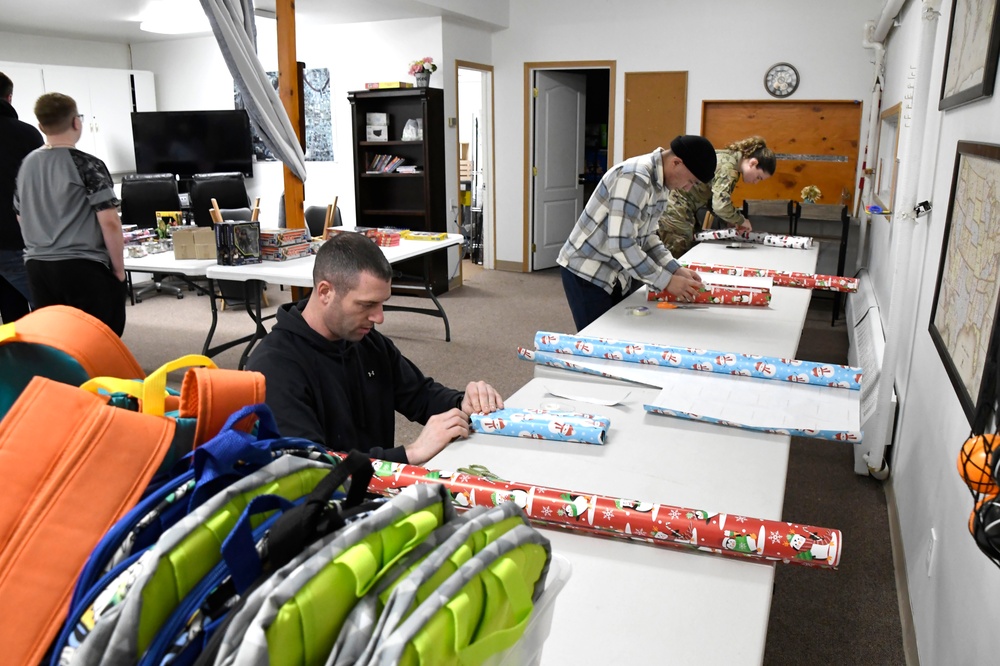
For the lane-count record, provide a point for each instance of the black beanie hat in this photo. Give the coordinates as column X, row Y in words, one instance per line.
column 698, row 155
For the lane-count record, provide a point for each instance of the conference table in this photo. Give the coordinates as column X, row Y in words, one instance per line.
column 294, row 273
column 632, row 603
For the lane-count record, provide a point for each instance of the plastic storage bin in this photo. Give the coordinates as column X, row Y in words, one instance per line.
column 528, row 650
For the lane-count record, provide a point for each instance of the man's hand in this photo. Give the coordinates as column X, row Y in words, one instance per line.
column 441, row 430
column 746, row 226
column 685, row 284
column 481, row 398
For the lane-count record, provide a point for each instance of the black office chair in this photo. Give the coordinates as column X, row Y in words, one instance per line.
column 316, row 218
column 830, row 226
column 227, row 188
column 142, row 196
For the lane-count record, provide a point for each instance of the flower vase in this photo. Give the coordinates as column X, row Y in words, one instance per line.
column 806, row 200
column 423, row 79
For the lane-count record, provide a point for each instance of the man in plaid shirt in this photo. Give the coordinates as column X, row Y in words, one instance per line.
column 614, row 247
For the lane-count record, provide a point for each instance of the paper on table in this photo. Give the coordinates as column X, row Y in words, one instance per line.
column 724, row 280
column 759, row 403
column 604, row 394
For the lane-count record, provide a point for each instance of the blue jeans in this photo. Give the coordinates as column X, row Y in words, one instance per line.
column 587, row 301
column 13, row 272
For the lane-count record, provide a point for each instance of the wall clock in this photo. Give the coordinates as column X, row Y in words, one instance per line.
column 781, row 80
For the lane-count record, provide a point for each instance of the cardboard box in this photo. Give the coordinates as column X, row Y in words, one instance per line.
column 237, row 243
column 194, row 243
column 377, row 118
column 377, row 133
column 281, row 237
column 285, row 252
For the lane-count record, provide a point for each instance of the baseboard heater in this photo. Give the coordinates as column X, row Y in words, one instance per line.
column 866, row 349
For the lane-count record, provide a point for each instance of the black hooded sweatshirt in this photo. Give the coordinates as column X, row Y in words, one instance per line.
column 17, row 139
column 343, row 394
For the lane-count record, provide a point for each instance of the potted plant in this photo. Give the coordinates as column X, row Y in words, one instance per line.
column 810, row 194
column 421, row 69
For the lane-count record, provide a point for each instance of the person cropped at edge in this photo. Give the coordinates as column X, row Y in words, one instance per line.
column 614, row 247
column 17, row 139
column 66, row 206
column 749, row 158
column 333, row 379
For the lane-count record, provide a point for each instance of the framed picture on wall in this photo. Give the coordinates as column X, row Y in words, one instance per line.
column 964, row 313
column 970, row 64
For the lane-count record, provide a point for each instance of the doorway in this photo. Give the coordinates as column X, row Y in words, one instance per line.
column 569, row 116
column 476, row 189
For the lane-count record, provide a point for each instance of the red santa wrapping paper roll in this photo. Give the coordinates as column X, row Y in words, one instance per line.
column 626, row 519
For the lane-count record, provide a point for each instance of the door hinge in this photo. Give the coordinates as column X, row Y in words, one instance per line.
column 534, row 171
column 534, row 92
column 534, row 248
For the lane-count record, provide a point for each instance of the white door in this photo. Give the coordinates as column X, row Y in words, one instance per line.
column 560, row 106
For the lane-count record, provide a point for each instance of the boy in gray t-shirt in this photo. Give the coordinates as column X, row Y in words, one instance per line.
column 68, row 214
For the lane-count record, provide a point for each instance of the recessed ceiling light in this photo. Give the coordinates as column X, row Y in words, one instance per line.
column 174, row 18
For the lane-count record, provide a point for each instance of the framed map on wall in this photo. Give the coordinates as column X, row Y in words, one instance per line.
column 964, row 312
column 970, row 62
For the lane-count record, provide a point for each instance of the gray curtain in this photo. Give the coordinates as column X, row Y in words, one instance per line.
column 233, row 24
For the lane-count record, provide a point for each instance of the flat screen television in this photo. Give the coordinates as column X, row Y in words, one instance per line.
column 189, row 142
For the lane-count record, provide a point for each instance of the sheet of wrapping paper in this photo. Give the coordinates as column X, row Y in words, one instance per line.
column 730, row 363
column 775, row 407
column 555, row 424
column 777, row 240
column 628, row 519
column 782, row 278
column 720, row 295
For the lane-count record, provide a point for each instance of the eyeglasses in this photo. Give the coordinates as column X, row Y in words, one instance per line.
column 81, row 117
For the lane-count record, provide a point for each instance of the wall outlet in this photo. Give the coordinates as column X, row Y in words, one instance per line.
column 931, row 549
column 453, row 203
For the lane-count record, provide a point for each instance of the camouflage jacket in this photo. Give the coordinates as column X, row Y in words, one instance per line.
column 678, row 220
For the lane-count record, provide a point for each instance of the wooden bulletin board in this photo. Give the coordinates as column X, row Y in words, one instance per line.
column 816, row 143
column 655, row 110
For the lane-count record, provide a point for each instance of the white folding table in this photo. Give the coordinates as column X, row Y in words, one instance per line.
column 629, row 603
column 298, row 273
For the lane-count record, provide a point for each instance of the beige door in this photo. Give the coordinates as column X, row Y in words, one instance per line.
column 655, row 110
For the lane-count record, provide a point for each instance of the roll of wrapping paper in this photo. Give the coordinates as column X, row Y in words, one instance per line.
column 777, row 240
column 627, row 519
column 730, row 363
column 559, row 425
column 783, row 278
column 718, row 295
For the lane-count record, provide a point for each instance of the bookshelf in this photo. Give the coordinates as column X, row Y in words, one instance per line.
column 393, row 199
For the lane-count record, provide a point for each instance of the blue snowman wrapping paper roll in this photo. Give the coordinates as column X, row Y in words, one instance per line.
column 559, row 425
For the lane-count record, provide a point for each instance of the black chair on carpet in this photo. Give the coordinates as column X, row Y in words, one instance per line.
column 227, row 188
column 142, row 195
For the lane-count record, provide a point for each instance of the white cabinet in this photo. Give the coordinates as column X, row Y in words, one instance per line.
column 106, row 97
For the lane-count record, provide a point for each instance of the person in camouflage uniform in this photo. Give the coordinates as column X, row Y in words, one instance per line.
column 749, row 158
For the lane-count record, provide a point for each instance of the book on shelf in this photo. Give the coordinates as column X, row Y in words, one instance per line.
column 408, row 168
column 383, row 163
column 379, row 85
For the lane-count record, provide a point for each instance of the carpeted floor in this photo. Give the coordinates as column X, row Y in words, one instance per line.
column 848, row 616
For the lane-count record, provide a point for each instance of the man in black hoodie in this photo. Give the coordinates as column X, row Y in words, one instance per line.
column 17, row 139
column 333, row 379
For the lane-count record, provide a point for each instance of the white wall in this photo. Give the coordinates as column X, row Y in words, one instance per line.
column 191, row 74
column 20, row 47
column 955, row 606
column 726, row 46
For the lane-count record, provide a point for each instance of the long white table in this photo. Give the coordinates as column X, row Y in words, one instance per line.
column 295, row 273
column 629, row 603
column 298, row 273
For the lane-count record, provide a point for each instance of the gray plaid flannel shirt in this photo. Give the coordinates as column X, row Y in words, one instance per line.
column 615, row 238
